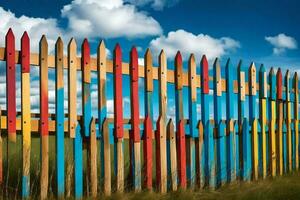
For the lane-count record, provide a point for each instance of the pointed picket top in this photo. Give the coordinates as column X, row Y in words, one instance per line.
column 272, row 82
column 10, row 34
column 241, row 82
column 240, row 66
column 170, row 130
column 229, row 77
column 101, row 47
column 296, row 80
column 287, row 85
column 252, row 77
column 162, row 62
column 134, row 66
column 58, row 41
column 279, row 84
column 263, row 84
column 25, row 52
column 178, row 71
column 72, row 44
column 148, row 70
column 43, row 41
column 200, row 129
column 85, row 61
column 192, row 77
column 205, row 75
column 101, row 58
column 217, row 78
column 228, row 68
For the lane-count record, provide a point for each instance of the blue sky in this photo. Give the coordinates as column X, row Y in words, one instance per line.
column 261, row 31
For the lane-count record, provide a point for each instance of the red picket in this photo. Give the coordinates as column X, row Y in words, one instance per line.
column 10, row 85
column 279, row 84
column 205, row 75
column 181, row 154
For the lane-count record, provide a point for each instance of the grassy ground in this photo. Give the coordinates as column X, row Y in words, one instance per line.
column 286, row 187
column 281, row 188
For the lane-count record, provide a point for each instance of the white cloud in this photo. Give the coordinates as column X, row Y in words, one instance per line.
column 188, row 43
column 108, row 19
column 281, row 43
column 155, row 4
column 35, row 27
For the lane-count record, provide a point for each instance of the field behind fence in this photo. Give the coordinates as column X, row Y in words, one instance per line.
column 242, row 124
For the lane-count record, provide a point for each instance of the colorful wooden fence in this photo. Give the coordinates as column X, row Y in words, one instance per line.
column 219, row 142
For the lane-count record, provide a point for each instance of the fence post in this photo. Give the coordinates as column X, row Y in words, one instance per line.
column 148, row 133
column 272, row 122
column 161, row 150
column 200, row 155
column 25, row 109
column 93, row 158
column 263, row 118
column 59, row 117
column 106, row 158
column 172, row 158
column 279, row 138
column 289, row 137
column 296, row 116
column 253, row 121
column 135, row 121
column 118, row 118
column 44, row 117
column 78, row 167
column 232, row 151
column 194, row 134
column 180, row 133
column 219, row 126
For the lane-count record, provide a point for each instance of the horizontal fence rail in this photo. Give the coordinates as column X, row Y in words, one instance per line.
column 241, row 125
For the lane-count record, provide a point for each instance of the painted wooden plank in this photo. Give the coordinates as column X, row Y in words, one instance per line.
column 106, row 159
column 148, row 153
column 279, row 138
column 10, row 85
column 272, row 135
column 171, row 137
column 181, row 151
column 181, row 154
column 191, row 159
column 161, row 148
column 208, row 136
column 241, row 116
column 200, row 162
column 147, row 143
column 288, row 121
column 218, row 112
column 253, row 120
column 102, row 108
column 72, row 88
column 135, row 117
column 118, row 115
column 44, row 117
column 86, row 88
column 26, row 118
column 263, row 118
column 78, row 165
column 59, row 110
column 246, row 151
column 1, row 153
column 93, row 159
column 232, row 154
column 296, row 118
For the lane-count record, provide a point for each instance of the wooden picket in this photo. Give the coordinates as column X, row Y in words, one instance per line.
column 222, row 146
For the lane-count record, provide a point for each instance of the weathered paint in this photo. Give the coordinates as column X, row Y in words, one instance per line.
column 59, row 110
column 279, row 138
column 263, row 119
column 219, row 126
column 10, row 85
column 296, row 119
column 86, row 88
column 93, row 178
column 172, row 157
column 288, row 121
column 25, row 109
column 44, row 117
column 232, row 152
column 78, row 165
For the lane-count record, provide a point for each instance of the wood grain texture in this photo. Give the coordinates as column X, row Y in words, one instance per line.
column 120, row 165
column 25, row 109
column 171, row 137
column 147, row 145
column 93, row 159
column 263, row 118
column 10, row 85
column 296, row 118
column 59, row 110
column 200, row 156
column 288, row 121
column 72, row 88
column 181, row 155
column 107, row 159
column 279, row 138
column 44, row 179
